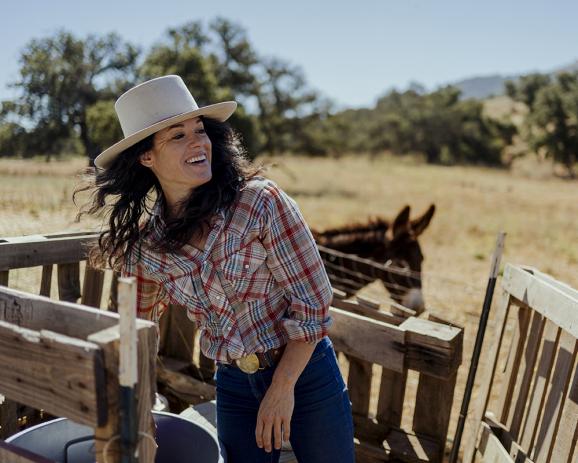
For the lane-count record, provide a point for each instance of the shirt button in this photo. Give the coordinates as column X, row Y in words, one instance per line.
column 246, row 265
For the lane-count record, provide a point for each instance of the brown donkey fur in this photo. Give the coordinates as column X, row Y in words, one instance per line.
column 395, row 245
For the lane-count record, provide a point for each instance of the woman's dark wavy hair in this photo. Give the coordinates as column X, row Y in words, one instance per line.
column 123, row 193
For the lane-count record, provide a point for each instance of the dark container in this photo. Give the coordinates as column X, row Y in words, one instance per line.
column 179, row 441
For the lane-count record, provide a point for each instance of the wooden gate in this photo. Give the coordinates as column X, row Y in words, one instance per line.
column 536, row 414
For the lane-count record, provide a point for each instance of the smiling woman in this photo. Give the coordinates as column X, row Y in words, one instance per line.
column 234, row 249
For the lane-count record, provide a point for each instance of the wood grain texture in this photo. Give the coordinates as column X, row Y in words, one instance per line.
column 510, row 375
column 92, row 287
column 37, row 250
column 490, row 448
column 37, row 313
column 68, row 281
column 391, row 397
column 543, row 373
column 433, row 408
column 368, row 339
column 411, row 448
column 61, row 375
column 8, row 418
column 527, row 367
column 557, row 391
column 565, row 446
column 46, row 281
column 478, row 407
column 359, row 385
column 553, row 302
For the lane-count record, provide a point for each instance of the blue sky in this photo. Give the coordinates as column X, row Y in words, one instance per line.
column 352, row 51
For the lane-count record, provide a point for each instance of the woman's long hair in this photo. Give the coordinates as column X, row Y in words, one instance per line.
column 125, row 190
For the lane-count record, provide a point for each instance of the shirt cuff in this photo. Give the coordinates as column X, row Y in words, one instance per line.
column 306, row 331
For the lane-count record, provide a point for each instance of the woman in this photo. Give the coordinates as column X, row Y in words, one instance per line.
column 232, row 248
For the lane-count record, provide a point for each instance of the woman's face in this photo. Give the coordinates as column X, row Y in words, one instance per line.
column 180, row 158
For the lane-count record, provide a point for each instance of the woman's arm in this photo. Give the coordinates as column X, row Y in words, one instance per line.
column 274, row 417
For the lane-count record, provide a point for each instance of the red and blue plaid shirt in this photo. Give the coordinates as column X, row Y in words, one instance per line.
column 272, row 267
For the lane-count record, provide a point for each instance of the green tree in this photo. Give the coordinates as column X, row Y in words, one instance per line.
column 61, row 77
column 552, row 122
column 210, row 66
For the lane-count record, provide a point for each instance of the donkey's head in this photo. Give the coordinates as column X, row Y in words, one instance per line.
column 403, row 254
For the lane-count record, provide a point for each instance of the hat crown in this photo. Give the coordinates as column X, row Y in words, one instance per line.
column 153, row 101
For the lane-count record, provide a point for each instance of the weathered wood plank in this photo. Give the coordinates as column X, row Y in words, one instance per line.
column 391, row 397
column 359, row 385
column 4, row 277
column 37, row 250
column 549, row 343
column 38, row 312
column 8, row 417
column 46, row 281
column 433, row 420
column 478, row 409
column 432, row 348
column 527, row 367
column 108, row 340
column 368, row 339
column 113, row 295
column 567, row 437
column 392, row 347
column 69, row 282
column 177, row 334
column 11, row 454
column 411, row 448
column 552, row 302
column 490, row 448
column 510, row 375
column 185, row 386
column 59, row 374
column 556, row 393
column 356, row 307
column 92, row 287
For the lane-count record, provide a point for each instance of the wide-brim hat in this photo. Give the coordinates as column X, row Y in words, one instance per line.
column 154, row 105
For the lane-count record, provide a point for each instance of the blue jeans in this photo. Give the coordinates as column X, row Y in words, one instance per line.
column 321, row 425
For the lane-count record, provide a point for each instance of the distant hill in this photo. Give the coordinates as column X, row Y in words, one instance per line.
column 482, row 87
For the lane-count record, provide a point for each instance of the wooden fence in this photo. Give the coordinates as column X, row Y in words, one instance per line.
column 535, row 376
column 63, row 358
column 366, row 336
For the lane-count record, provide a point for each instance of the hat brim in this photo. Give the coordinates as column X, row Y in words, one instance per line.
column 218, row 111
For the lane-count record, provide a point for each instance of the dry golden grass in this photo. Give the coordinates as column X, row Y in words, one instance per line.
column 539, row 215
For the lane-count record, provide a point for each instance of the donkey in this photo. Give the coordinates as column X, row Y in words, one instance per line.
column 395, row 246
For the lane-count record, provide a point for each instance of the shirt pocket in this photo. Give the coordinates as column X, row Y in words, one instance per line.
column 247, row 272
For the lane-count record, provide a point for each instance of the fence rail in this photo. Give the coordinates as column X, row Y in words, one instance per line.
column 361, row 333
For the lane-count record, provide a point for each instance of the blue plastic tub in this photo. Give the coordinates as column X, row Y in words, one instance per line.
column 179, row 441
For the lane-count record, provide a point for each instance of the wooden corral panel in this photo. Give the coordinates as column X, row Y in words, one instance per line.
column 536, row 415
column 63, row 358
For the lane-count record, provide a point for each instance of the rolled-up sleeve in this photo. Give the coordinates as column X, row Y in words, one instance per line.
column 294, row 261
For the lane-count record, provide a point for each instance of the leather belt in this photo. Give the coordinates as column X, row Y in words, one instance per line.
column 258, row 361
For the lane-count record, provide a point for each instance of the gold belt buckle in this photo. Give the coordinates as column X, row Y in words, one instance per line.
column 248, row 364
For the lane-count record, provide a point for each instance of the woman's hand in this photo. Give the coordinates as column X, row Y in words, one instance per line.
column 274, row 417
column 276, row 409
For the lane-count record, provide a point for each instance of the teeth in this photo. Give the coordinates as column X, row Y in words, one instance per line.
column 198, row 158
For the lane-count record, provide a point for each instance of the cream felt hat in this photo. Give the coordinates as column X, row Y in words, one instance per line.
column 154, row 105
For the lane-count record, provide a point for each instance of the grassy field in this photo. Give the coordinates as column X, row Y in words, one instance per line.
column 537, row 211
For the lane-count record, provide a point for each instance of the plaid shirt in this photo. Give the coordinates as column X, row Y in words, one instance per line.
column 273, row 271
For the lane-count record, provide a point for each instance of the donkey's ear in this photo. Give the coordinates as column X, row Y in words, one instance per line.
column 401, row 222
column 421, row 223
